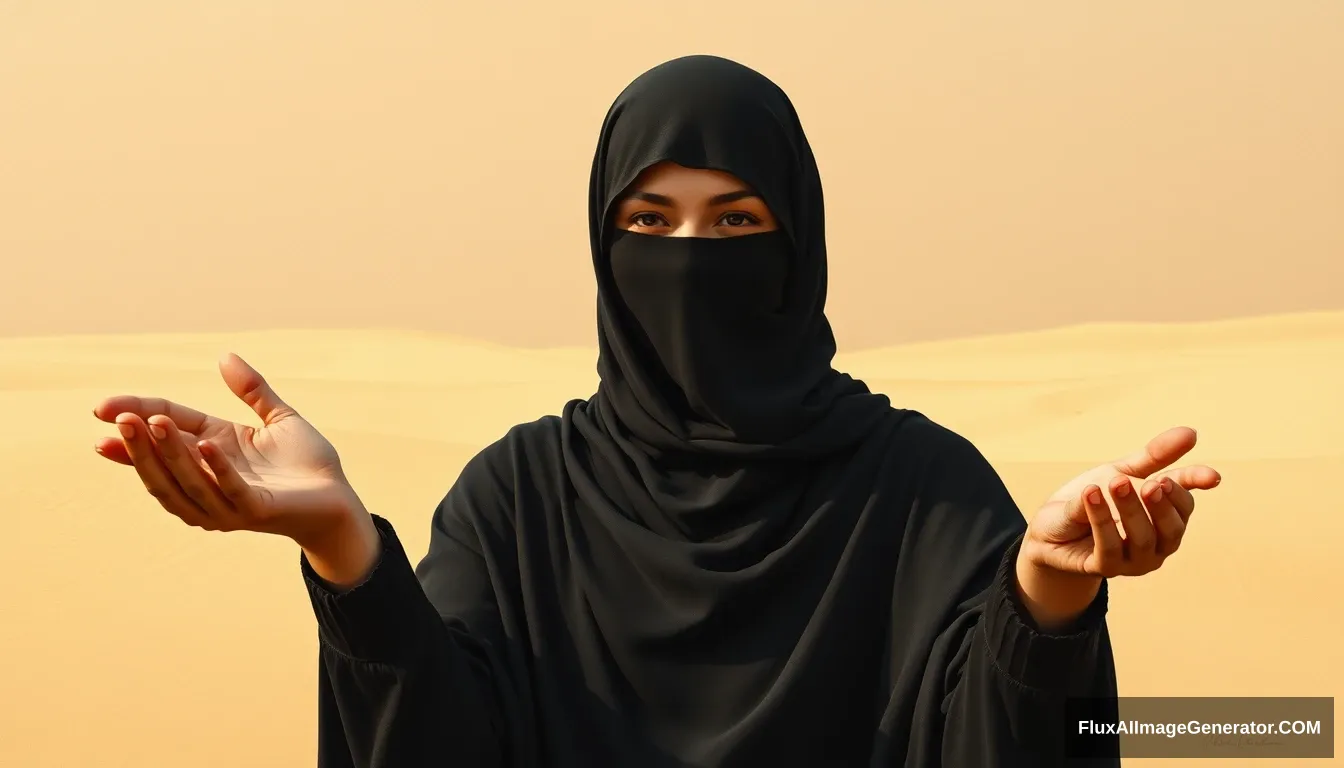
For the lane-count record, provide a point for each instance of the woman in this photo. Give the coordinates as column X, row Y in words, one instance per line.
column 731, row 554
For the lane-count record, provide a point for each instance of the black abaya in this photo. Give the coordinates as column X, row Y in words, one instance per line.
column 731, row 554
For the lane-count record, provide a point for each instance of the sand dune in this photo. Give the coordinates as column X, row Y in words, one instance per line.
column 129, row 639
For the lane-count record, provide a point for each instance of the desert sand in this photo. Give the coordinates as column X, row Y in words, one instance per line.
column 130, row 639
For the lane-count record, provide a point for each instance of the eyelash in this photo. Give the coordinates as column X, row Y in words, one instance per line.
column 638, row 218
column 749, row 219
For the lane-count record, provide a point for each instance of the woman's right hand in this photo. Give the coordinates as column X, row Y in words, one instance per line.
column 282, row 478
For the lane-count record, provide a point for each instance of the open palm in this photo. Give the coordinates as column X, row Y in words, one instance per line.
column 281, row 477
column 1076, row 531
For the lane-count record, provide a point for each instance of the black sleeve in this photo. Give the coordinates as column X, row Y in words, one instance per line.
column 401, row 685
column 996, row 688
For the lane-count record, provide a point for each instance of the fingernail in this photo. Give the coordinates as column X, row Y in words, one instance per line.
column 1166, row 484
column 1094, row 498
column 158, row 432
column 127, row 430
column 1121, row 490
column 98, row 450
column 1157, row 494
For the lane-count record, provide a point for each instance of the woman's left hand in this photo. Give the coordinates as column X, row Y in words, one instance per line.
column 1079, row 537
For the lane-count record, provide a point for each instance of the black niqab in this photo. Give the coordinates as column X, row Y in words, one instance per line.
column 714, row 353
column 708, row 112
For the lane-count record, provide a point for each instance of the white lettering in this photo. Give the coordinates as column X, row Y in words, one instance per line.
column 1198, row 728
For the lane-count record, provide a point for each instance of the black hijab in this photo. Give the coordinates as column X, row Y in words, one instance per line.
column 714, row 354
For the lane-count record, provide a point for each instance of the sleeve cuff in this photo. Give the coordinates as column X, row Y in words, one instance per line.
column 1029, row 656
column 381, row 619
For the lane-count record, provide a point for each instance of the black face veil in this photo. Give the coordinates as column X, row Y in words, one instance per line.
column 718, row 346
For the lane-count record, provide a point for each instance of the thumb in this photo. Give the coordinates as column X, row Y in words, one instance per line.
column 1062, row 521
column 1075, row 512
column 1161, row 452
column 250, row 387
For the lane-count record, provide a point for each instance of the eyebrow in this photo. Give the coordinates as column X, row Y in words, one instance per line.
column 726, row 197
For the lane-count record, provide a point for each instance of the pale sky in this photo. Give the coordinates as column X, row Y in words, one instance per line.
column 181, row 166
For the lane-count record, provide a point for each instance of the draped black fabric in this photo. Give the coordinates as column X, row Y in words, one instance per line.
column 731, row 555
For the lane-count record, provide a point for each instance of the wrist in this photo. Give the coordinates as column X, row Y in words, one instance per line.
column 345, row 548
column 1054, row 598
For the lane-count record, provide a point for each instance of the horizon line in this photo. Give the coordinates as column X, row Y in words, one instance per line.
column 285, row 330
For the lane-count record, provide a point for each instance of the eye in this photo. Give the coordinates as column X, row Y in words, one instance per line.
column 738, row 219
column 648, row 220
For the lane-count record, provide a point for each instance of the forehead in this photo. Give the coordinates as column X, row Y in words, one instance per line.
column 678, row 181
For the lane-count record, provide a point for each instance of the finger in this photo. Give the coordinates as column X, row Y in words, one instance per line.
column 239, row 493
column 113, row 450
column 1182, row 500
column 159, row 483
column 1195, row 478
column 1162, row 451
column 1140, row 538
column 1167, row 521
column 185, row 468
column 250, row 387
column 186, row 418
column 1108, row 548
